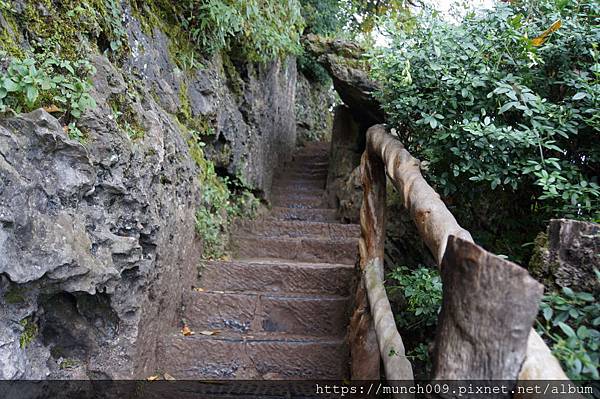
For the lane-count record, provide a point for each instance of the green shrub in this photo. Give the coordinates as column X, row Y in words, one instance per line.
column 422, row 292
column 31, row 83
column 569, row 322
column 417, row 311
column 507, row 125
column 261, row 30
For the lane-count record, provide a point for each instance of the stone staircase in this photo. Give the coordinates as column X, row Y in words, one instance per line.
column 280, row 308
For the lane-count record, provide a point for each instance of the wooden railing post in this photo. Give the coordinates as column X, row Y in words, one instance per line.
column 372, row 220
column 488, row 308
column 489, row 304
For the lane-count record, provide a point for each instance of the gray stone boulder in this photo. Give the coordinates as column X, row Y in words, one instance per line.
column 345, row 63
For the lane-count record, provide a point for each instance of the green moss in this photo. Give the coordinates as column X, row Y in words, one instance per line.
column 65, row 27
column 68, row 364
column 536, row 263
column 185, row 107
column 8, row 37
column 234, row 81
column 125, row 116
column 30, row 331
column 14, row 295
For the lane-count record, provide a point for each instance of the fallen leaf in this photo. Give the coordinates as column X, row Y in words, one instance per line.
column 198, row 289
column 209, row 332
column 169, row 377
column 538, row 41
column 153, row 377
column 186, row 331
column 52, row 108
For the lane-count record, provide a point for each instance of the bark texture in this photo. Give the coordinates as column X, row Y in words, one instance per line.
column 488, row 308
column 371, row 244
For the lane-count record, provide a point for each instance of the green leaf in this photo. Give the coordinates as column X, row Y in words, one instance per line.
column 548, row 312
column 579, row 96
column 10, row 85
column 567, row 329
column 32, row 94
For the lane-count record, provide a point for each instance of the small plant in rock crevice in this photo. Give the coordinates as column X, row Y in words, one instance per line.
column 222, row 200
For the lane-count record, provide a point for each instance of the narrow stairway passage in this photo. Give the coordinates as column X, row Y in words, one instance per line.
column 281, row 305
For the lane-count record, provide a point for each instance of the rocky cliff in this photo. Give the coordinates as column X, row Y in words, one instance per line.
column 97, row 238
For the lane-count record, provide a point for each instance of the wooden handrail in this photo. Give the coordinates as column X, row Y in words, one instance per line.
column 529, row 357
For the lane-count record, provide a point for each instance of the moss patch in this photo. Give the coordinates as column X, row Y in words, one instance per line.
column 30, row 331
column 125, row 116
column 14, row 295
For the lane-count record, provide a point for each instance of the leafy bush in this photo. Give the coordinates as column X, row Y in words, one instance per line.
column 569, row 321
column 422, row 292
column 416, row 314
column 261, row 29
column 504, row 103
column 47, row 81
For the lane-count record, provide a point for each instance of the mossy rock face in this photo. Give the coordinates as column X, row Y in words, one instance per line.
column 30, row 331
column 566, row 256
column 69, row 28
column 14, row 295
column 539, row 265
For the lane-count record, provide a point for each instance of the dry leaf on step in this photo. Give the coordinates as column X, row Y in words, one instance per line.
column 52, row 108
column 186, row 331
column 169, row 377
column 153, row 377
column 209, row 332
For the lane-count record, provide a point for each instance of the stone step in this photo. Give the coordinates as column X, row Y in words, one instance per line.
column 252, row 313
column 299, row 184
column 314, row 214
column 277, row 276
column 321, row 250
column 305, row 174
column 299, row 200
column 307, row 169
column 321, row 157
column 301, row 190
column 268, row 356
column 285, row 228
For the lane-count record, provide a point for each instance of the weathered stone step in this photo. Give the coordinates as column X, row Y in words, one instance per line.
column 277, row 276
column 320, row 250
column 299, row 185
column 252, row 313
column 285, row 228
column 309, row 164
column 301, row 170
column 314, row 214
column 299, row 200
column 233, row 356
column 308, row 158
column 297, row 190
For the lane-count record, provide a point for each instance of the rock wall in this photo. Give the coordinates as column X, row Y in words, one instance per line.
column 97, row 240
column 247, row 111
column 314, row 101
column 567, row 255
